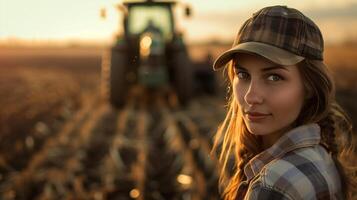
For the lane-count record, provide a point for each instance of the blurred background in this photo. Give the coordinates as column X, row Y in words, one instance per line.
column 117, row 100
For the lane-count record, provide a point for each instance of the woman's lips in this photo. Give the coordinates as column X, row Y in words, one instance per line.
column 255, row 116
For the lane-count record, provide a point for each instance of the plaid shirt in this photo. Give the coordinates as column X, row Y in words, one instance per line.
column 295, row 167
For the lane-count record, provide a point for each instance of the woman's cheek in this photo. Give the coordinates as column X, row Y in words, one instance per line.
column 235, row 89
column 238, row 91
column 288, row 101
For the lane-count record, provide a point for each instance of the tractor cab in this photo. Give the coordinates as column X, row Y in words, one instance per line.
column 143, row 16
column 149, row 27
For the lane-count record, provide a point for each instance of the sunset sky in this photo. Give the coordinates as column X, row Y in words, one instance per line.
column 68, row 20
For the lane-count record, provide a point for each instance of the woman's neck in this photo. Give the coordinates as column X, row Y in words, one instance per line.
column 270, row 139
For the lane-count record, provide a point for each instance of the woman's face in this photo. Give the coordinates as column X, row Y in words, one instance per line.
column 269, row 96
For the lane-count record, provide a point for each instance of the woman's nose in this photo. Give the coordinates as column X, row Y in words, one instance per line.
column 254, row 94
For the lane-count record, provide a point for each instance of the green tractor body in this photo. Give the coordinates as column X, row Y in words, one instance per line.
column 149, row 53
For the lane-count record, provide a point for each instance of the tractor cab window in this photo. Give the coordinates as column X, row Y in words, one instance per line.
column 143, row 17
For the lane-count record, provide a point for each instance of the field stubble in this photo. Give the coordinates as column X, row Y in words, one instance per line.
column 42, row 90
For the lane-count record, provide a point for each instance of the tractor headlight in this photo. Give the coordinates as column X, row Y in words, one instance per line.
column 145, row 44
column 151, row 44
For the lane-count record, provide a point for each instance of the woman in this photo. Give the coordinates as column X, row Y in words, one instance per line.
column 283, row 126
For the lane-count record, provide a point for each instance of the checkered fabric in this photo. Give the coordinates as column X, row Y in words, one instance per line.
column 286, row 28
column 296, row 167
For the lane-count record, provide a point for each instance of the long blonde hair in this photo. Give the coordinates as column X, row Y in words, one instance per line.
column 234, row 142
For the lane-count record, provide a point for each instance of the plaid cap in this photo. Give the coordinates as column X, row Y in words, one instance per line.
column 281, row 34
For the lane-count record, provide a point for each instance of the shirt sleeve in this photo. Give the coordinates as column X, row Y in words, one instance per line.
column 260, row 192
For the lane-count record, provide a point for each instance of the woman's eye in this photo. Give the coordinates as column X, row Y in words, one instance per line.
column 274, row 77
column 242, row 75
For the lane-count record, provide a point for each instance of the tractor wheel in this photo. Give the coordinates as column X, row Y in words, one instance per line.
column 183, row 77
column 118, row 84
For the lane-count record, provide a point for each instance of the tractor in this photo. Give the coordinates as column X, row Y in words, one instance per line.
column 150, row 52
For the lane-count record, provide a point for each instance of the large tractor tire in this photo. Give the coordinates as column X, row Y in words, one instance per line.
column 183, row 74
column 118, row 84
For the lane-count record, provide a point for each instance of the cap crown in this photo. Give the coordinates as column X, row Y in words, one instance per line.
column 286, row 28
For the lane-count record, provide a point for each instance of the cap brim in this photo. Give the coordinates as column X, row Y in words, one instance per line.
column 272, row 53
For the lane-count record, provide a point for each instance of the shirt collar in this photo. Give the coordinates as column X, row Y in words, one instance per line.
column 302, row 136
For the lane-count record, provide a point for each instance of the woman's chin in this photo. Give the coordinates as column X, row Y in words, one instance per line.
column 257, row 128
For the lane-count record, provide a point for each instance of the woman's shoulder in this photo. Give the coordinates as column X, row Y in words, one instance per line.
column 305, row 173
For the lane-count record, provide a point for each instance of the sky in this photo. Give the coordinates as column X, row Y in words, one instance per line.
column 79, row 20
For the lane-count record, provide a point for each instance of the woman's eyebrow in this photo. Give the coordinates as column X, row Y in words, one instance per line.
column 275, row 67
column 237, row 66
